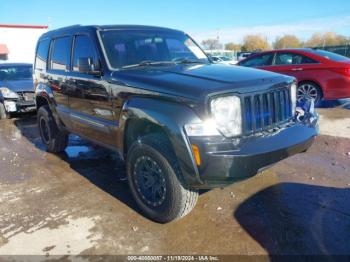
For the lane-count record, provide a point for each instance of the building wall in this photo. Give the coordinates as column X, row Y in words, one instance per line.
column 21, row 41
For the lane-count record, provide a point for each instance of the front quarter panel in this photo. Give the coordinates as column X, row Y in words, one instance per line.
column 168, row 117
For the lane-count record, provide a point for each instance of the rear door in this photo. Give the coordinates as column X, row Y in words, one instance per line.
column 90, row 104
column 56, row 75
column 292, row 64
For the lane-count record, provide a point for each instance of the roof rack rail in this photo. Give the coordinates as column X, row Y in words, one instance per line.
column 66, row 27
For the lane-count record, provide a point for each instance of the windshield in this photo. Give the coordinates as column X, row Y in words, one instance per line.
column 134, row 47
column 330, row 55
column 21, row 72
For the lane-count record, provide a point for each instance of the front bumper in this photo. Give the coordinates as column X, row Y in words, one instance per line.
column 19, row 106
column 227, row 161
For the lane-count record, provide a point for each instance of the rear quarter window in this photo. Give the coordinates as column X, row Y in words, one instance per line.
column 308, row 60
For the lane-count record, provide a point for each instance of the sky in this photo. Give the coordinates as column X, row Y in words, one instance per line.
column 229, row 20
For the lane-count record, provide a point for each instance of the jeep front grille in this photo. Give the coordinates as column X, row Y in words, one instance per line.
column 26, row 96
column 262, row 111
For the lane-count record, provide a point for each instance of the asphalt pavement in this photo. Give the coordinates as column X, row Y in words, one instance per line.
column 78, row 202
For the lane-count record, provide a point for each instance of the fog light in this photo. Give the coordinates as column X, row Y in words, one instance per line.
column 10, row 106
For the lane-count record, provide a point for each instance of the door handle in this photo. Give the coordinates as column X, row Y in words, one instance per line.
column 297, row 69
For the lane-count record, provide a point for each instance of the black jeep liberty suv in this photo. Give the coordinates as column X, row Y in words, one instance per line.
column 180, row 122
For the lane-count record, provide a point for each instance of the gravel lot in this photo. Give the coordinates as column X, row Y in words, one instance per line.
column 79, row 203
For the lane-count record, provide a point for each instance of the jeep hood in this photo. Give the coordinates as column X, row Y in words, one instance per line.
column 197, row 81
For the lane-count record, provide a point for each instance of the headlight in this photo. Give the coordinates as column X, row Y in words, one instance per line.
column 226, row 119
column 205, row 128
column 227, row 114
column 293, row 97
column 7, row 93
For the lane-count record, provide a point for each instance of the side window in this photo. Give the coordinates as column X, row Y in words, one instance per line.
column 83, row 48
column 41, row 54
column 261, row 60
column 60, row 54
column 308, row 60
column 287, row 59
column 292, row 59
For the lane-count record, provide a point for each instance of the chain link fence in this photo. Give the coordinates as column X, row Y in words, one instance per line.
column 339, row 49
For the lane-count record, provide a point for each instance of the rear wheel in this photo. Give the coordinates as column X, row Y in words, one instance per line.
column 309, row 90
column 54, row 139
column 3, row 113
column 155, row 180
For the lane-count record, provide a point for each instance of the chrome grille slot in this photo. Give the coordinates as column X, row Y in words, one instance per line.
column 26, row 96
column 262, row 111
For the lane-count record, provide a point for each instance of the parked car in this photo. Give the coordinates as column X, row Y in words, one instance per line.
column 180, row 122
column 320, row 74
column 243, row 55
column 223, row 60
column 16, row 89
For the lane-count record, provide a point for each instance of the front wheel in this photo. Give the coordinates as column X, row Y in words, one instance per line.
column 309, row 90
column 155, row 181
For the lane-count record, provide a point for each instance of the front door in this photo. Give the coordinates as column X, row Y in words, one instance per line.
column 292, row 64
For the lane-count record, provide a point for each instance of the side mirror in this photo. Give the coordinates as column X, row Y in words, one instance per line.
column 86, row 66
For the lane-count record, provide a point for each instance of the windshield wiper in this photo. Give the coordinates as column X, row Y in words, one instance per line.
column 157, row 63
column 147, row 63
column 188, row 61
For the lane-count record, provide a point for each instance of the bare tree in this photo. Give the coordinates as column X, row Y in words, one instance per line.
column 327, row 38
column 211, row 44
column 233, row 47
column 255, row 42
column 287, row 41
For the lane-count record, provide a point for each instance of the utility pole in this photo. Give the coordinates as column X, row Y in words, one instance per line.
column 49, row 22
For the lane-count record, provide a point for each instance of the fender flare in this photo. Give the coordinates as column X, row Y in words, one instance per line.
column 161, row 116
column 43, row 91
column 1, row 98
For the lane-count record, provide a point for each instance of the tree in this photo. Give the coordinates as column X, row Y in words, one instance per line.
column 255, row 42
column 233, row 47
column 211, row 44
column 326, row 39
column 287, row 41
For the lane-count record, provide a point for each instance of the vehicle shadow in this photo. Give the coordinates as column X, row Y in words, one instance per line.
column 298, row 219
column 341, row 103
column 100, row 166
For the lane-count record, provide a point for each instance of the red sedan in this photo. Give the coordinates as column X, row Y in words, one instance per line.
column 320, row 74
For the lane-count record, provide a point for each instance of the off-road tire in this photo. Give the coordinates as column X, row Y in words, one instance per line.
column 3, row 113
column 54, row 139
column 178, row 200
